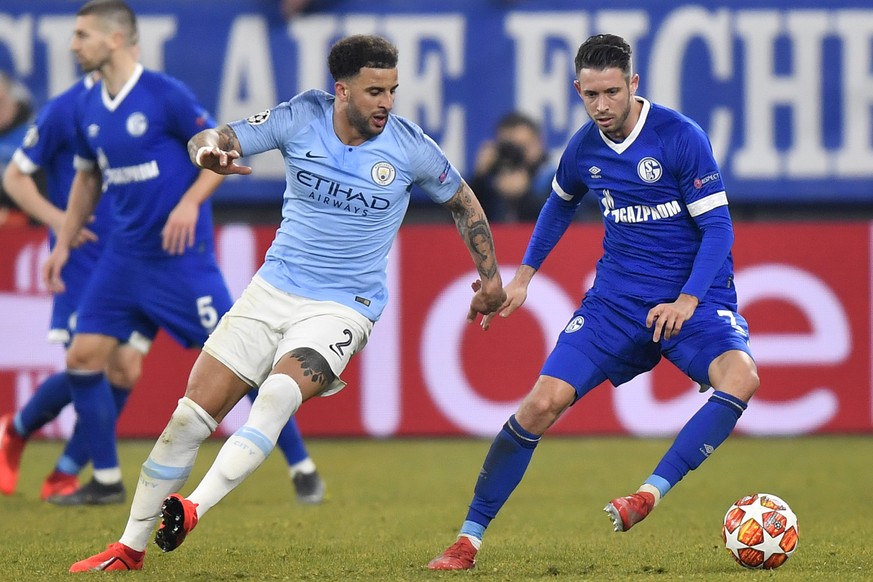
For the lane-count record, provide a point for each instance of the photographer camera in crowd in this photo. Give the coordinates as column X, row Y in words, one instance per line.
column 513, row 174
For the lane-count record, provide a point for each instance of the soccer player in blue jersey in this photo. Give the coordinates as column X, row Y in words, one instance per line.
column 663, row 287
column 158, row 268
column 49, row 146
column 349, row 165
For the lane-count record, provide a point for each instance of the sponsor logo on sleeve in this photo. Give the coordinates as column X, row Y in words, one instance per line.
column 701, row 182
column 445, row 172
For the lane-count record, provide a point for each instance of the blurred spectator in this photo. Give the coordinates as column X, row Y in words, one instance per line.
column 292, row 8
column 513, row 174
column 16, row 109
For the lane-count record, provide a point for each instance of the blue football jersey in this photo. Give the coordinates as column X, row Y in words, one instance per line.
column 49, row 145
column 343, row 205
column 651, row 187
column 138, row 139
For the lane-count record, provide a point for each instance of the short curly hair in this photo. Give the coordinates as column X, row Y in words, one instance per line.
column 348, row 56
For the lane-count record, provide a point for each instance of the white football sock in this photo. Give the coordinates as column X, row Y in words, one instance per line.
column 166, row 469
column 108, row 476
column 647, row 488
column 305, row 466
column 278, row 398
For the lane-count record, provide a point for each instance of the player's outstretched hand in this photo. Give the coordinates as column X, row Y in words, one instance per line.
column 485, row 301
column 51, row 269
column 668, row 318
column 516, row 295
column 220, row 161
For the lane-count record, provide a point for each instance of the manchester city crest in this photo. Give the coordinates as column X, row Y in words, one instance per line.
column 383, row 173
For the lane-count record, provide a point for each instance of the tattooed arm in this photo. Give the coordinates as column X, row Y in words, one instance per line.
column 476, row 234
column 217, row 150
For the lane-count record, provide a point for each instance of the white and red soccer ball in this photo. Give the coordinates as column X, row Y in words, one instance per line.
column 760, row 531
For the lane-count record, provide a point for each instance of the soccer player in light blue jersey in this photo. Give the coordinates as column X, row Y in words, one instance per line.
column 349, row 166
column 49, row 146
column 158, row 267
column 663, row 287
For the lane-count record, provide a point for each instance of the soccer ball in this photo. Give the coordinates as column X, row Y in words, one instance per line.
column 760, row 531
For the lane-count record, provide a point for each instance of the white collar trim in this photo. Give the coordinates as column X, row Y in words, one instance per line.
column 113, row 104
column 620, row 147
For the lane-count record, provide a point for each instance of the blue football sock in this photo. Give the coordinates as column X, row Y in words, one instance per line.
column 504, row 466
column 700, row 436
column 44, row 406
column 95, row 407
column 75, row 455
column 290, row 440
column 119, row 396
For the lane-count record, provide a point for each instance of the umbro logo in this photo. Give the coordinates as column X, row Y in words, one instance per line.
column 594, row 171
column 313, row 156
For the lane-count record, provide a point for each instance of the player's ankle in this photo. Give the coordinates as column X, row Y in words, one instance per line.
column 648, row 488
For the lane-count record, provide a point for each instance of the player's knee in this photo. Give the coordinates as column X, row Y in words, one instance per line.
column 542, row 407
column 92, row 356
column 83, row 360
column 278, row 399
column 749, row 386
column 124, row 374
column 743, row 384
column 189, row 421
column 124, row 367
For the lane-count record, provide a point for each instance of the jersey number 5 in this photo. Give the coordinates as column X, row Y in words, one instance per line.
column 207, row 312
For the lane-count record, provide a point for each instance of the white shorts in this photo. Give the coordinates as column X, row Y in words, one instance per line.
column 266, row 323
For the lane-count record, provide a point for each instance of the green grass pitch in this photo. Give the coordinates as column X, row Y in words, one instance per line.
column 394, row 504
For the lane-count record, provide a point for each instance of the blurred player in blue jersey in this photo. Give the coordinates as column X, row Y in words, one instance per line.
column 158, row 268
column 349, row 165
column 664, row 287
column 49, row 146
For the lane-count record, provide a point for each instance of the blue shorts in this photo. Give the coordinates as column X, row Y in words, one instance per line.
column 185, row 295
column 75, row 274
column 607, row 339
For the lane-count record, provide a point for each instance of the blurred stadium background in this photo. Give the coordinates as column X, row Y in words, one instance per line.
column 784, row 89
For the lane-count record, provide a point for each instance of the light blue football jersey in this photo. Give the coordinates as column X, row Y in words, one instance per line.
column 139, row 141
column 343, row 205
column 651, row 186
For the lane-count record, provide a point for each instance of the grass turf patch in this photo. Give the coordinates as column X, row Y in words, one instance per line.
column 394, row 504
